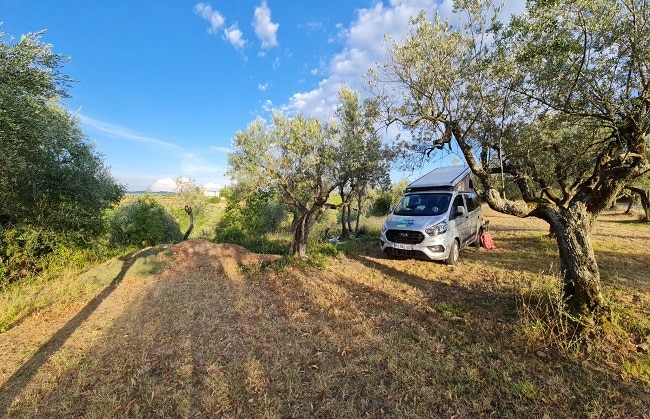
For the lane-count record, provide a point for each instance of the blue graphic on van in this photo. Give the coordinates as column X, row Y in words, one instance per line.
column 405, row 222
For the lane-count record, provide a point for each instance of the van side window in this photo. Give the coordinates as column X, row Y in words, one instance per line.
column 472, row 202
column 458, row 202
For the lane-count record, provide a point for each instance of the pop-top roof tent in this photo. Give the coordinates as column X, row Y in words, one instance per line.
column 450, row 178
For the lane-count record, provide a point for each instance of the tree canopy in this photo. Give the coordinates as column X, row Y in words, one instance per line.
column 50, row 174
column 306, row 160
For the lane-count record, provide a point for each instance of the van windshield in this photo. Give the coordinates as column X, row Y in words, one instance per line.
column 424, row 204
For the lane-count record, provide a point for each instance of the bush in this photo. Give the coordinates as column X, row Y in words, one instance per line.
column 142, row 223
column 247, row 223
column 326, row 227
column 22, row 249
column 381, row 206
column 27, row 250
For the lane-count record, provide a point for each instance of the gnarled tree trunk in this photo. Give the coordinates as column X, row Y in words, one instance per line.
column 300, row 228
column 581, row 276
column 572, row 228
column 189, row 212
column 645, row 200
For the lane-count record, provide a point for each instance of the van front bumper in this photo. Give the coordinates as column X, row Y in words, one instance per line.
column 430, row 248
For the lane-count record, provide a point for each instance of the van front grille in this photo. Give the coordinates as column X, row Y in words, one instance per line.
column 404, row 236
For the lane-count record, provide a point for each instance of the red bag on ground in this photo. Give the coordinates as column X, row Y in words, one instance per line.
column 486, row 241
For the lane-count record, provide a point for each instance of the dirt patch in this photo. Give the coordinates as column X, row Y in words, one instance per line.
column 202, row 255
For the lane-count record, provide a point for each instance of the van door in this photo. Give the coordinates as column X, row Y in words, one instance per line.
column 463, row 227
column 474, row 220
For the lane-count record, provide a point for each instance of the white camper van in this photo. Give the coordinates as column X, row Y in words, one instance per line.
column 438, row 216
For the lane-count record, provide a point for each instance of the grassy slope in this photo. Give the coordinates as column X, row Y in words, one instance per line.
column 363, row 336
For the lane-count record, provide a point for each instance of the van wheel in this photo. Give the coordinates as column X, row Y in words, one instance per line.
column 454, row 254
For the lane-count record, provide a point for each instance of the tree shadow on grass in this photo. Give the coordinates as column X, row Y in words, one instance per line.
column 20, row 379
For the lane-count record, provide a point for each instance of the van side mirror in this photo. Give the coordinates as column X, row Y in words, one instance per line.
column 460, row 211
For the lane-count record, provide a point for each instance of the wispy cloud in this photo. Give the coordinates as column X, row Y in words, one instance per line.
column 217, row 21
column 264, row 28
column 124, row 133
column 225, row 150
column 195, row 165
column 214, row 17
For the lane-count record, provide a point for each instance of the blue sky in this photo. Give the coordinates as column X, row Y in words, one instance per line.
column 163, row 86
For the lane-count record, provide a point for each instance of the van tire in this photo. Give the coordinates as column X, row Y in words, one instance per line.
column 454, row 254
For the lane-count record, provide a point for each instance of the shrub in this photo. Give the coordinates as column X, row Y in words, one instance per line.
column 249, row 222
column 381, row 206
column 21, row 249
column 144, row 222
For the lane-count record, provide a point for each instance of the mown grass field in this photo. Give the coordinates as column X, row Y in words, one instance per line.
column 207, row 330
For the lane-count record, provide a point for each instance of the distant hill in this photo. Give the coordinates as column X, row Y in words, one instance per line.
column 150, row 192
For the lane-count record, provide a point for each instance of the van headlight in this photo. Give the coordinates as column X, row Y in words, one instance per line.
column 436, row 229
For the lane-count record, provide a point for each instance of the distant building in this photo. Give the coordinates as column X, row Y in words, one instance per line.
column 210, row 193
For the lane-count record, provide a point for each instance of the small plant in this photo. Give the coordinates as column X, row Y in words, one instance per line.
column 453, row 308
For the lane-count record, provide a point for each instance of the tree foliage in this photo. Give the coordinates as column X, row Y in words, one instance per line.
column 640, row 188
column 556, row 102
column 249, row 217
column 50, row 175
column 54, row 186
column 363, row 160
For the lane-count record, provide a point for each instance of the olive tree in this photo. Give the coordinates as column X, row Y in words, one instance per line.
column 295, row 156
column 192, row 199
column 363, row 160
column 556, row 102
column 50, row 174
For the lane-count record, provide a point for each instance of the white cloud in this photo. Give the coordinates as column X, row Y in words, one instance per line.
column 234, row 36
column 267, row 106
column 214, row 17
column 169, row 185
column 164, row 185
column 231, row 34
column 363, row 47
column 264, row 28
column 262, row 86
column 319, row 103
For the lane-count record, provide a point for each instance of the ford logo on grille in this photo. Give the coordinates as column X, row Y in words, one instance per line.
column 403, row 234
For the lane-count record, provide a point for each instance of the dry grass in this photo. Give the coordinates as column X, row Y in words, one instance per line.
column 212, row 330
